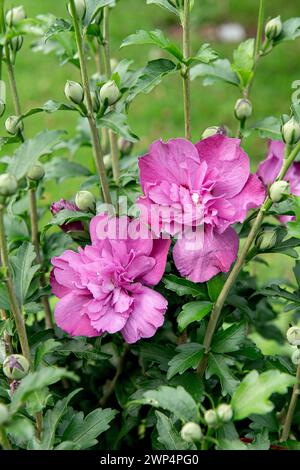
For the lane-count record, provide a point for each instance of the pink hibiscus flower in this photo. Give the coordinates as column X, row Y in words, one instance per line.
column 213, row 176
column 269, row 169
column 105, row 286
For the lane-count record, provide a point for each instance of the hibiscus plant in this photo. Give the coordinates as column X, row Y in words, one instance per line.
column 132, row 315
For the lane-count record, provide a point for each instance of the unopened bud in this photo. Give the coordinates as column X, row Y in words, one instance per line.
column 291, row 131
column 2, row 107
column 242, row 109
column 85, row 201
column 191, row 432
column 224, row 412
column 266, row 239
column 279, row 190
column 80, row 7
column 125, row 146
column 95, row 101
column 293, row 335
column 15, row 15
column 36, row 173
column 14, row 125
column 211, row 417
column 113, row 63
column 16, row 367
column 110, row 93
column 296, row 357
column 4, row 414
column 16, row 43
column 107, row 161
column 74, row 92
column 209, row 131
column 8, row 184
column 273, row 28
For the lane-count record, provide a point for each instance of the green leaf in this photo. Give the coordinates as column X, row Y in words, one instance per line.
column 35, row 381
column 23, row 270
column 268, row 128
column 4, row 299
column 30, row 151
column 218, row 365
column 230, row 339
column 188, row 357
column 168, row 436
column 164, row 4
column 150, row 77
column 176, row 400
column 215, row 286
column 21, row 429
column 118, row 123
column 183, row 286
column 61, row 169
column 65, row 216
column 83, row 431
column 253, row 393
column 296, row 271
column 49, row 107
column 193, row 311
column 243, row 61
column 205, row 55
column 44, row 348
column 219, row 70
column 235, row 444
column 16, row 228
column 93, row 7
column 59, row 25
column 290, row 30
column 156, row 38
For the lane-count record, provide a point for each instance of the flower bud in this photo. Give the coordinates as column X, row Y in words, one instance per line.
column 293, row 335
column 125, row 146
column 13, row 386
column 209, row 131
column 242, row 109
column 15, row 15
column 74, row 92
column 2, row 107
column 107, row 161
column 14, row 125
column 4, row 414
column 113, row 63
column 16, row 367
column 8, row 184
column 36, row 173
column 80, row 6
column 273, row 28
column 191, row 432
column 110, row 93
column 266, row 239
column 291, row 131
column 85, row 201
column 279, row 190
column 95, row 101
column 224, row 412
column 211, row 417
column 296, row 357
column 16, row 43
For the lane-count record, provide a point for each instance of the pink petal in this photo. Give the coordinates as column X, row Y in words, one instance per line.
column 57, row 289
column 217, row 255
column 270, row 167
column 70, row 316
column 147, row 315
column 252, row 195
column 159, row 253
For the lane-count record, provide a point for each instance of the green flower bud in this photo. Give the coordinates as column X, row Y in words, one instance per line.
column 266, row 239
column 16, row 43
column 296, row 357
column 4, row 414
column 293, row 335
column 2, row 107
column 273, row 28
column 80, row 6
column 291, row 131
column 36, row 173
column 211, row 418
column 209, row 131
column 125, row 146
column 8, row 184
column 242, row 109
column 224, row 412
column 279, row 190
column 113, row 63
column 14, row 125
column 191, row 432
column 74, row 92
column 110, row 93
column 85, row 201
column 107, row 161
column 95, row 101
column 15, row 15
column 16, row 367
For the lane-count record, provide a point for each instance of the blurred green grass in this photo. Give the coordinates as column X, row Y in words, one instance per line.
column 159, row 115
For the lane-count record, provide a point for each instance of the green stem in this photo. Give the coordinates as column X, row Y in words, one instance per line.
column 14, row 305
column 12, row 81
column 260, row 29
column 36, row 243
column 112, row 384
column 112, row 136
column 186, row 70
column 2, row 31
column 216, row 311
column 98, row 153
column 291, row 410
column 5, row 444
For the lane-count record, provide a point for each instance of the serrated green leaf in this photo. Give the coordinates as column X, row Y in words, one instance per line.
column 193, row 311
column 215, row 285
column 184, row 287
column 243, row 61
column 188, row 357
column 268, row 128
column 230, row 339
column 218, row 365
column 49, row 107
column 44, row 348
column 93, row 7
column 61, row 169
column 164, row 4
column 168, row 436
column 219, row 70
column 205, row 55
column 23, row 270
column 119, row 124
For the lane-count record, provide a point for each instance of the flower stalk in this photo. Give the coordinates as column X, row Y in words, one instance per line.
column 112, row 384
column 97, row 148
column 186, row 70
column 292, row 407
column 216, row 311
